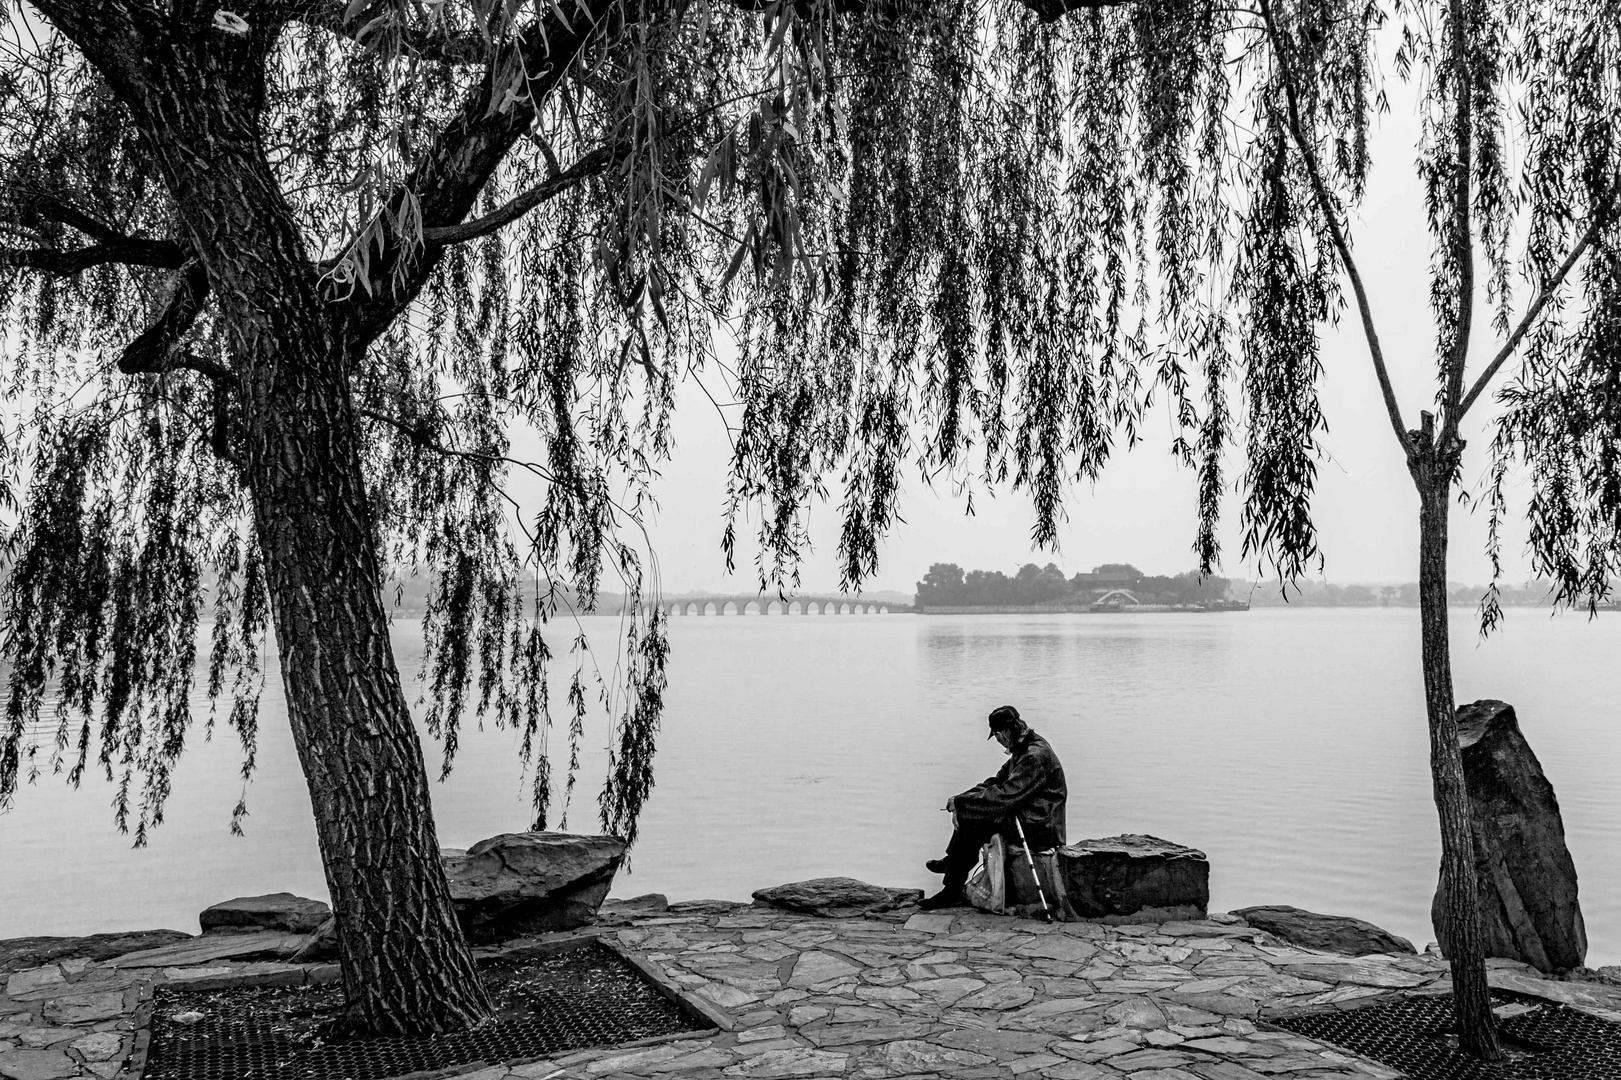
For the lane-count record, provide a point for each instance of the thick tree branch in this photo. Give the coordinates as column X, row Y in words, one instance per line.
column 113, row 35
column 54, row 208
column 1053, row 10
column 1330, row 212
column 128, row 251
column 26, row 208
column 157, row 347
column 1532, row 313
column 519, row 205
column 185, row 360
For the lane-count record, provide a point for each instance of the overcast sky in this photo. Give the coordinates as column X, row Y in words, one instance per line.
column 1143, row 510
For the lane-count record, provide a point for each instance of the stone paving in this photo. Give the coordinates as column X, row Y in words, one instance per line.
column 961, row 994
column 948, row 994
column 78, row 1017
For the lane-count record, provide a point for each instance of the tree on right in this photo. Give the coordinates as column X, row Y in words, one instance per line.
column 1520, row 107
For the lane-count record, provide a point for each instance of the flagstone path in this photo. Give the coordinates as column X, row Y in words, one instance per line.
column 952, row 994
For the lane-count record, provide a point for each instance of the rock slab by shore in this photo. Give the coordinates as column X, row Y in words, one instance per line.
column 836, row 897
column 1330, row 933
column 272, row 911
column 531, row 882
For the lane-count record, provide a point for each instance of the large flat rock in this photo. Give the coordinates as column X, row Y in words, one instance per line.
column 1329, row 933
column 202, row 950
column 1132, row 874
column 1596, row 998
column 272, row 911
column 28, row 952
column 531, row 882
column 836, row 897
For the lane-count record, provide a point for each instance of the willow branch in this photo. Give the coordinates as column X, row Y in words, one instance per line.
column 457, row 49
column 516, row 207
column 419, row 432
column 1463, row 251
column 1330, row 214
column 1533, row 312
column 1046, row 10
column 421, row 435
column 467, row 151
column 126, row 251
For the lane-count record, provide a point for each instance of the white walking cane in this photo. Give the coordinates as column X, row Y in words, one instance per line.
column 1033, row 871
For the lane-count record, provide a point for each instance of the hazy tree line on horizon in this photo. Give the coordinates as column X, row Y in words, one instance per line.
column 1536, row 592
column 948, row 585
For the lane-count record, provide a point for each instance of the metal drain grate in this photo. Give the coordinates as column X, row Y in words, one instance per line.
column 1545, row 1041
column 545, row 1005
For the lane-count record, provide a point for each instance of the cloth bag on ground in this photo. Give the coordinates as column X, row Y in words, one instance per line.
column 986, row 887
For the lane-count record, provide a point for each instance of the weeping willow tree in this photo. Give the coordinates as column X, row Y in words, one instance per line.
column 285, row 279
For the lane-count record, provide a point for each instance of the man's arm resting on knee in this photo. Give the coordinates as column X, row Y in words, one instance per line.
column 1022, row 777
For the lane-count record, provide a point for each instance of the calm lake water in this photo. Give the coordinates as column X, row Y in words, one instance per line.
column 1288, row 745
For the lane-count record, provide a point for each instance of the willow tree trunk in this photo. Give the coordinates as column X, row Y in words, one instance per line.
column 406, row 965
column 1477, row 1030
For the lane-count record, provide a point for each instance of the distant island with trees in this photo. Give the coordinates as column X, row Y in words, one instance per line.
column 947, row 588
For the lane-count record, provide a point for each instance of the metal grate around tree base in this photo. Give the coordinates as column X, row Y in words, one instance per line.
column 545, row 1005
column 1544, row 1040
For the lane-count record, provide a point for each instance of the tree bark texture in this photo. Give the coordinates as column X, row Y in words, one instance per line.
column 197, row 97
column 406, row 965
column 1458, row 891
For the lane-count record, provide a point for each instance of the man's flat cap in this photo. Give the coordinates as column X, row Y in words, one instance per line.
column 1002, row 718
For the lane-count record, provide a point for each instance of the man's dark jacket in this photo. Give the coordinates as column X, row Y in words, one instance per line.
column 1030, row 784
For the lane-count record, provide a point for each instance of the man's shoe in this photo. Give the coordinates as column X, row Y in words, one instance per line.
column 935, row 866
column 945, row 898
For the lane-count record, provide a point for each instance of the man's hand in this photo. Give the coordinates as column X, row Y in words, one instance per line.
column 951, row 804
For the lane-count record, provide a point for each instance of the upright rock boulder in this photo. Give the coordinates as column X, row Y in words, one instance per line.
column 531, row 882
column 1528, row 905
column 1141, row 877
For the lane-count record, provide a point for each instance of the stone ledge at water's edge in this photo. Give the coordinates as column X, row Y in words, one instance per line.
column 955, row 994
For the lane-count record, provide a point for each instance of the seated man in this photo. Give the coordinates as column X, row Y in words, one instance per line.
column 1029, row 787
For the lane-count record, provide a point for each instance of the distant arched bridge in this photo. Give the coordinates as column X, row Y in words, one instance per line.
column 758, row 604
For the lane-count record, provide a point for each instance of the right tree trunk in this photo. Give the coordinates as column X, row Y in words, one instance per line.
column 1477, row 1030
